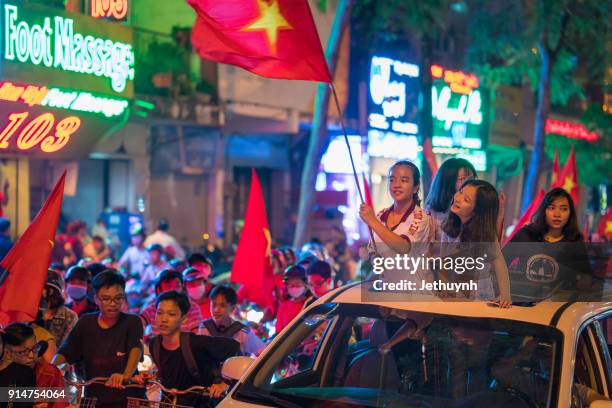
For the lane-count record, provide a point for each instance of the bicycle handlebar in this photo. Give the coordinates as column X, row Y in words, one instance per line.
column 173, row 391
column 98, row 380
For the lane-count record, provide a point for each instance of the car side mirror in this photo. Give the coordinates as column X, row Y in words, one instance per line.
column 235, row 367
column 601, row 404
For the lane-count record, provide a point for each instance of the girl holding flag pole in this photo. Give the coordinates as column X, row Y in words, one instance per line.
column 397, row 227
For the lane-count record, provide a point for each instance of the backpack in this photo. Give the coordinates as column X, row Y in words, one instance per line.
column 230, row 332
column 186, row 351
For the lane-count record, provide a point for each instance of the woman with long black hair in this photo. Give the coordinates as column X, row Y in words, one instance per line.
column 448, row 180
column 471, row 224
column 548, row 254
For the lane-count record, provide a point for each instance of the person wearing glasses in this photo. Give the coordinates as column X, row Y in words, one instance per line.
column 23, row 349
column 108, row 343
column 17, row 346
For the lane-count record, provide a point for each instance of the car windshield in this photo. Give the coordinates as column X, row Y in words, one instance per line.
column 368, row 355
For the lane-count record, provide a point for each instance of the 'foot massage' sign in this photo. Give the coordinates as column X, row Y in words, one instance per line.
column 45, row 45
column 62, row 77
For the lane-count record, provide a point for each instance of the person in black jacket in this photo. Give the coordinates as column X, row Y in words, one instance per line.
column 548, row 254
column 185, row 359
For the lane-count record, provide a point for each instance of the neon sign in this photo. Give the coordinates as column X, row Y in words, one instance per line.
column 571, row 130
column 392, row 145
column 457, row 108
column 458, row 105
column 55, row 44
column 468, row 109
column 32, row 95
column 116, row 9
column 393, row 94
column 458, row 81
column 40, row 131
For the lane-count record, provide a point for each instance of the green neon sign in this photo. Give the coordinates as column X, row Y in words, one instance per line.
column 57, row 44
column 457, row 117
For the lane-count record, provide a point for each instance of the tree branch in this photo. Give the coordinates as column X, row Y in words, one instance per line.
column 564, row 23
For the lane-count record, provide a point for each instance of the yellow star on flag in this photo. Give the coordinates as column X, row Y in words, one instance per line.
column 269, row 240
column 270, row 20
column 568, row 184
column 608, row 227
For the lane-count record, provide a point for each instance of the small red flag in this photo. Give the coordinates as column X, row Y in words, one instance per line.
column 568, row 180
column 367, row 193
column 556, row 170
column 604, row 228
column 27, row 262
column 526, row 217
column 430, row 157
column 252, row 266
column 271, row 38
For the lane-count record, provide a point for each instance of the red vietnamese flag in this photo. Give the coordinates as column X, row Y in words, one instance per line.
column 526, row 217
column 556, row 170
column 604, row 228
column 568, row 180
column 271, row 38
column 252, row 266
column 27, row 262
column 367, row 193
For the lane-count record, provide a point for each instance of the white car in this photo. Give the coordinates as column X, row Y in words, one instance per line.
column 342, row 352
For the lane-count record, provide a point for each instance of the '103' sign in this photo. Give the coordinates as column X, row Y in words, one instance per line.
column 41, row 130
column 115, row 9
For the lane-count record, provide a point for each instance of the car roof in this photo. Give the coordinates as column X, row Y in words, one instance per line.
column 544, row 313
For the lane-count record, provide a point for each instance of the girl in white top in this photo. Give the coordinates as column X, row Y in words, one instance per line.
column 404, row 222
column 397, row 228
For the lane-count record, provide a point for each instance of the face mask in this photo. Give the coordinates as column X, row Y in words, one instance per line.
column 296, row 292
column 76, row 292
column 197, row 292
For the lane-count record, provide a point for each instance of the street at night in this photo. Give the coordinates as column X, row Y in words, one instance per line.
column 305, row 203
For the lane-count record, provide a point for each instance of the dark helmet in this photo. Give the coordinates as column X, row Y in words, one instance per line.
column 166, row 275
column 294, row 271
column 78, row 272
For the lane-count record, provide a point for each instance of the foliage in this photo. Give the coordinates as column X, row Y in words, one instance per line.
column 392, row 19
column 505, row 38
column 164, row 55
column 205, row 87
column 539, row 43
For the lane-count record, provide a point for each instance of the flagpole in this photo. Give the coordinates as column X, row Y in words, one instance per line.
column 348, row 146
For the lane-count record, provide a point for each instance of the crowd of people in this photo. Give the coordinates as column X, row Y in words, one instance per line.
column 98, row 308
